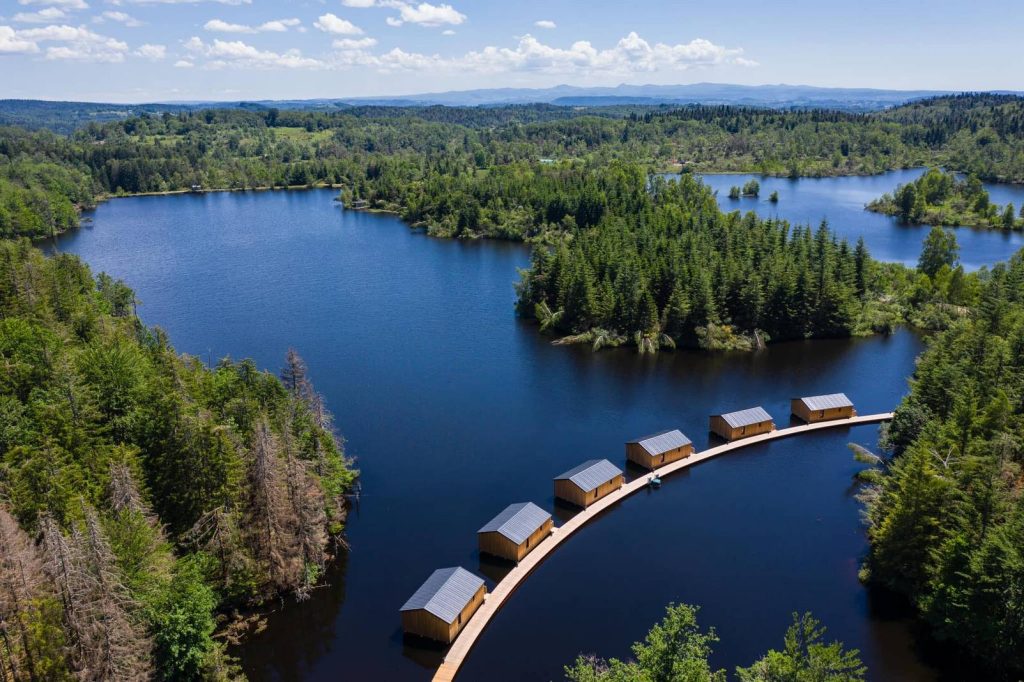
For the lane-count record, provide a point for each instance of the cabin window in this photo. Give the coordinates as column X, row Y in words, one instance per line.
column 527, row 542
column 663, row 458
column 743, row 430
column 595, row 494
column 822, row 413
column 460, row 619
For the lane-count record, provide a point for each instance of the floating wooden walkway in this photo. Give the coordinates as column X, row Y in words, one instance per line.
column 503, row 590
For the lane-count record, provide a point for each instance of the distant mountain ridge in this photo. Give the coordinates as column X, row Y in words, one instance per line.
column 67, row 116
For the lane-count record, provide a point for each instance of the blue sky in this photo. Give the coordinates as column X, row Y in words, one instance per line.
column 158, row 50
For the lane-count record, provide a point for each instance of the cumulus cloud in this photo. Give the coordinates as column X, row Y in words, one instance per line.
column 237, row 54
column 65, row 4
column 275, row 26
column 153, row 52
column 43, row 16
column 174, row 2
column 329, row 23
column 12, row 43
column 631, row 54
column 424, row 14
column 79, row 43
column 354, row 43
column 183, row 64
column 362, row 4
column 544, row 23
column 120, row 18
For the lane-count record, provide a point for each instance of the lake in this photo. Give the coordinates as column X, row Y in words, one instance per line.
column 842, row 200
column 454, row 408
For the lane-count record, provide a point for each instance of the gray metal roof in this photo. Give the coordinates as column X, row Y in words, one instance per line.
column 753, row 415
column 657, row 443
column 591, row 474
column 826, row 402
column 445, row 593
column 517, row 522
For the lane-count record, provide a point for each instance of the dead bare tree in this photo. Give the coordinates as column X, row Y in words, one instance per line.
column 272, row 518
column 107, row 642
column 22, row 585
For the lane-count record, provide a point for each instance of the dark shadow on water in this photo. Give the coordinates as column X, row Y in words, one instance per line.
column 495, row 568
column 426, row 653
column 563, row 511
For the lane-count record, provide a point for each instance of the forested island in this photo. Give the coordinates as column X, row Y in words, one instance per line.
column 144, row 496
column 942, row 198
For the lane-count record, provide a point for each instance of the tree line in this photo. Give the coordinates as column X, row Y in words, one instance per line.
column 381, row 153
column 143, row 495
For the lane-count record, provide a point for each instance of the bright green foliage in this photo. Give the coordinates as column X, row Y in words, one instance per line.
column 674, row 649
column 166, row 466
column 941, row 198
column 806, row 658
column 946, row 517
column 677, row 650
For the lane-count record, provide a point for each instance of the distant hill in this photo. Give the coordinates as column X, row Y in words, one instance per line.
column 65, row 117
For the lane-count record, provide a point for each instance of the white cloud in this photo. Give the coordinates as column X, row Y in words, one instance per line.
column 150, row 51
column 629, row 55
column 174, row 2
column 237, row 54
column 424, row 14
column 275, row 26
column 278, row 25
column 12, row 43
column 183, row 64
column 119, row 17
column 448, row 32
column 354, row 43
column 79, row 43
column 362, row 4
column 66, row 4
column 330, row 23
column 544, row 23
column 45, row 15
column 224, row 27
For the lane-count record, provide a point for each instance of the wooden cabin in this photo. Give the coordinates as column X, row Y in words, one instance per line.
column 659, row 449
column 515, row 532
column 359, row 204
column 823, row 408
column 443, row 605
column 742, row 424
column 589, row 482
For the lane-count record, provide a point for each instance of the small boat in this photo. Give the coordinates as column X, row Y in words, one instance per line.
column 654, row 481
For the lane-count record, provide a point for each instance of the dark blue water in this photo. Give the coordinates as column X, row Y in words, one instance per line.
column 841, row 201
column 454, row 408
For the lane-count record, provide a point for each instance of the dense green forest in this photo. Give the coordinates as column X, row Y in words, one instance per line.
column 946, row 509
column 677, row 649
column 941, row 198
column 144, row 495
column 405, row 159
column 663, row 267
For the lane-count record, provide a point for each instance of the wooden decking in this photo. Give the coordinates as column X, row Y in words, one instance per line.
column 503, row 590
